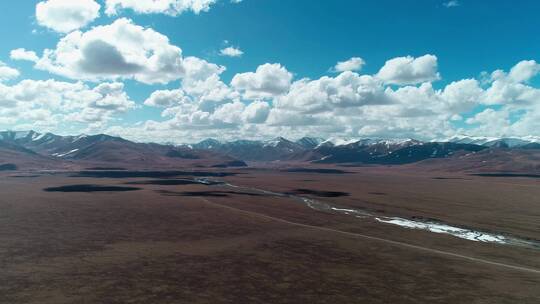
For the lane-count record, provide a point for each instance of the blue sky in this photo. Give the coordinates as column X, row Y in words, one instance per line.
column 308, row 38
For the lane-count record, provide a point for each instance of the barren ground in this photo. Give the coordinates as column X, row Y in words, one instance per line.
column 178, row 242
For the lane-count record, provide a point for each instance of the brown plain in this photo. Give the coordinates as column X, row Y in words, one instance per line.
column 200, row 244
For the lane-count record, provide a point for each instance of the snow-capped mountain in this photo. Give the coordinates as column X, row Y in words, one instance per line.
column 335, row 150
column 503, row 142
column 365, row 151
column 100, row 148
column 52, row 144
column 278, row 148
column 331, row 142
column 310, row 142
column 370, row 151
column 18, row 135
column 207, row 144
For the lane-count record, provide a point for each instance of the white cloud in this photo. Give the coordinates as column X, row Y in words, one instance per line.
column 267, row 81
column 451, row 3
column 491, row 122
column 119, row 50
column 527, row 125
column 168, row 7
column 112, row 97
column 512, row 88
column 256, row 112
column 346, row 105
column 462, row 96
column 7, row 73
column 353, row 64
column 230, row 113
column 344, row 91
column 23, row 54
column 286, row 118
column 203, row 84
column 51, row 102
column 410, row 70
column 267, row 102
column 66, row 15
column 524, row 70
column 231, row 52
column 197, row 69
column 210, row 93
column 166, row 98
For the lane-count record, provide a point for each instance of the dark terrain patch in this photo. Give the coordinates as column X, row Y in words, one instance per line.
column 181, row 154
column 320, row 193
column 507, row 175
column 378, row 193
column 90, row 188
column 234, row 163
column 106, row 169
column 321, row 171
column 175, row 182
column 208, row 193
column 8, row 167
column 448, row 178
column 149, row 174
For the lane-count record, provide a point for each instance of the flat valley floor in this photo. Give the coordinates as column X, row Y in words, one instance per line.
column 245, row 236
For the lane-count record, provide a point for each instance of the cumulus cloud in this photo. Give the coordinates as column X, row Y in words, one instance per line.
column 120, row 50
column 204, row 102
column 111, row 97
column 410, row 70
column 231, row 52
column 168, row 7
column 23, row 54
column 267, row 81
column 279, row 117
column 344, row 91
column 462, row 96
column 353, row 64
column 197, row 69
column 230, row 113
column 166, row 98
column 234, row 115
column 66, row 15
column 491, row 122
column 51, row 102
column 347, row 105
column 210, row 93
column 256, row 112
column 362, row 105
column 399, row 101
column 524, row 70
column 7, row 73
column 512, row 88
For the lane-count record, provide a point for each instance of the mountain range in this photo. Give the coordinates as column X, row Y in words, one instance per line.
column 50, row 150
column 367, row 151
column 46, row 148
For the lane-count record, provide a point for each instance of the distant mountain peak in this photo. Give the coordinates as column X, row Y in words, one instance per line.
column 310, row 142
column 511, row 142
column 277, row 141
column 206, row 144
